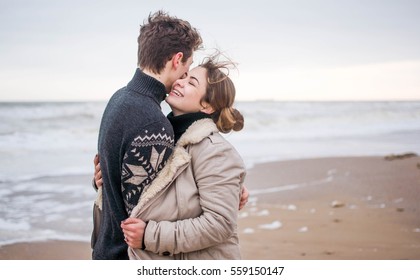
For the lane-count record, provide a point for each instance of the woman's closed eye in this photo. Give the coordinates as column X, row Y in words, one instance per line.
column 194, row 81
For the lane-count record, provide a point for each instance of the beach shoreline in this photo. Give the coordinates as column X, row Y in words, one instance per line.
column 349, row 208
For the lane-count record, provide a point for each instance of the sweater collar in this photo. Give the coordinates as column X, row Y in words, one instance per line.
column 148, row 86
column 182, row 122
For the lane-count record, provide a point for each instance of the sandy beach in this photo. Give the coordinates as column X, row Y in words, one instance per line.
column 352, row 208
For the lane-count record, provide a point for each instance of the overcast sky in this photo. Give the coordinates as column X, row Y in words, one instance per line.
column 286, row 50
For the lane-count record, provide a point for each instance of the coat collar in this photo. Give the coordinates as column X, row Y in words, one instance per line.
column 177, row 162
column 197, row 132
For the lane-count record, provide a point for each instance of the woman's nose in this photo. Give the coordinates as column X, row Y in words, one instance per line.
column 181, row 82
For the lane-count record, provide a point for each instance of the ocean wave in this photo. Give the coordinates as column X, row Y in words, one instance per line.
column 276, row 189
column 326, row 119
column 50, row 113
column 42, row 236
column 4, row 179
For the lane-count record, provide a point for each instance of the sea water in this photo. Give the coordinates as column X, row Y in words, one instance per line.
column 47, row 149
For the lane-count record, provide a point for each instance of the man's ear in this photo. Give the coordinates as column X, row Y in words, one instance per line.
column 177, row 59
column 206, row 108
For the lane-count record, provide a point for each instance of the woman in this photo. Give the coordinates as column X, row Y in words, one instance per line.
column 191, row 207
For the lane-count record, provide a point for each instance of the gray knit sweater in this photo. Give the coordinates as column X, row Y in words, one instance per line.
column 135, row 141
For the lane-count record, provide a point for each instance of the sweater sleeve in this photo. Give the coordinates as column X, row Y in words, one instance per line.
column 219, row 183
column 144, row 157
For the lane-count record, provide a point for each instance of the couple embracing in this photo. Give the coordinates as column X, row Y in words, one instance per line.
column 169, row 187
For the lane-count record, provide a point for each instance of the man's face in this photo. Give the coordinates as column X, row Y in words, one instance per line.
column 185, row 67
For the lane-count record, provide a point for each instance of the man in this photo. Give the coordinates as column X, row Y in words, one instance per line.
column 135, row 138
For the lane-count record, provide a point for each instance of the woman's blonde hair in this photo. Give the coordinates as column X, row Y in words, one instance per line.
column 220, row 94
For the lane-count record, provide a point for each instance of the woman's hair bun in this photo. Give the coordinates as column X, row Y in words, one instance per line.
column 230, row 119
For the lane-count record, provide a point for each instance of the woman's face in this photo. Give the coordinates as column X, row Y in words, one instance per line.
column 186, row 93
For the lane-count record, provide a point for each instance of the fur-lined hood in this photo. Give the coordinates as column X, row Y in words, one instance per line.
column 177, row 162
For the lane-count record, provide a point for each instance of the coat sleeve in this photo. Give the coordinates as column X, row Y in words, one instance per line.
column 219, row 173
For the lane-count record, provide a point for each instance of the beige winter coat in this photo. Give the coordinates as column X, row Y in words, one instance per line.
column 192, row 206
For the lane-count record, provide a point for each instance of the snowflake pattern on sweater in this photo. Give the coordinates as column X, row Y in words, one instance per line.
column 147, row 155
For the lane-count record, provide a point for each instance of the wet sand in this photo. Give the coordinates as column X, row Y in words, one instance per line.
column 352, row 208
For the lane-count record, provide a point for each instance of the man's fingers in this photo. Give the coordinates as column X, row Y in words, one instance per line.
column 98, row 175
column 244, row 197
column 96, row 159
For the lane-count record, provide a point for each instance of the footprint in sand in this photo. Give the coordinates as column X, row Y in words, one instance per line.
column 264, row 212
column 303, row 229
column 290, row 207
column 272, row 226
column 243, row 215
column 337, row 204
column 248, row 231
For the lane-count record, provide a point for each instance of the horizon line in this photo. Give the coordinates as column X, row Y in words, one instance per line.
column 245, row 101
